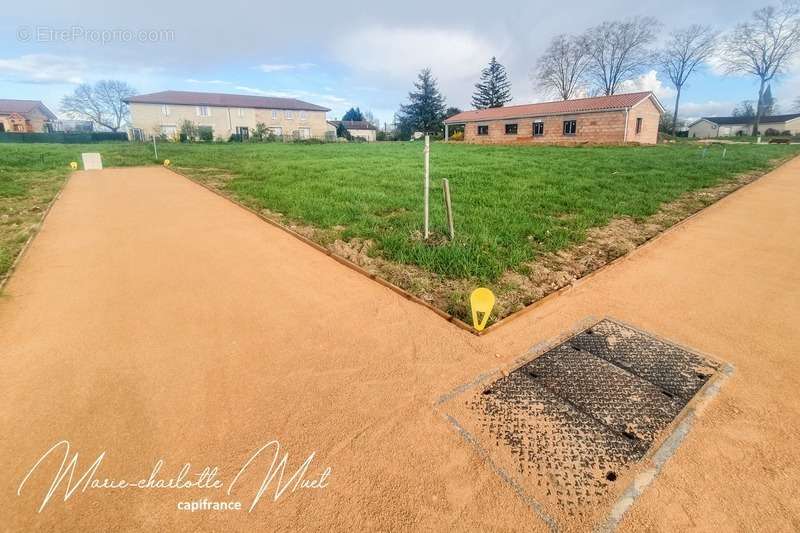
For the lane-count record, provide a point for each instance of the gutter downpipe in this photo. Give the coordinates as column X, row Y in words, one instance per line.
column 625, row 135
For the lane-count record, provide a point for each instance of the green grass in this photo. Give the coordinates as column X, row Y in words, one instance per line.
column 510, row 202
column 29, row 179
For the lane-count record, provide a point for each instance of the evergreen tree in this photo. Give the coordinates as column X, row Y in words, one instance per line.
column 353, row 114
column 494, row 89
column 425, row 110
column 451, row 111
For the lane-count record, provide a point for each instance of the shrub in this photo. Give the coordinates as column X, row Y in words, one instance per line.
column 109, row 136
column 188, row 131
column 457, row 136
column 261, row 131
column 205, row 133
column 771, row 132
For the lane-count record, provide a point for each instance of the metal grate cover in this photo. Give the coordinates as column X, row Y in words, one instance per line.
column 573, row 420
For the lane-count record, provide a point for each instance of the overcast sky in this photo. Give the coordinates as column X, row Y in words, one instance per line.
column 336, row 54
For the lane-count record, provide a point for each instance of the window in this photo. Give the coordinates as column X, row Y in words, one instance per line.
column 570, row 127
column 243, row 132
column 638, row 125
column 303, row 115
column 169, row 132
column 2, row 127
column 241, row 112
column 289, row 115
column 165, row 110
column 276, row 131
column 511, row 129
column 203, row 111
column 304, row 133
column 483, row 130
column 274, row 115
column 538, row 128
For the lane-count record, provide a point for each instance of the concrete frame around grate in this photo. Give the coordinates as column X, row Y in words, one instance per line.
column 644, row 471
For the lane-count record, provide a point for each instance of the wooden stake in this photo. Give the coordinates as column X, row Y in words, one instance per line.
column 448, row 207
column 427, row 184
column 155, row 149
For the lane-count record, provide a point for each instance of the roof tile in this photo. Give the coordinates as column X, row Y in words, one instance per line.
column 561, row 107
column 24, row 106
column 224, row 100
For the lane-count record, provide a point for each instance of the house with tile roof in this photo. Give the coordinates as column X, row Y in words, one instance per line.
column 710, row 127
column 361, row 129
column 25, row 116
column 163, row 113
column 615, row 119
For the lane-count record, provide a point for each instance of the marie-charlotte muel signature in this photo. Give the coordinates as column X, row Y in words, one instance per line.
column 277, row 480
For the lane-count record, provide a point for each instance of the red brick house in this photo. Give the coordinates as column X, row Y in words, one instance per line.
column 25, row 116
column 616, row 119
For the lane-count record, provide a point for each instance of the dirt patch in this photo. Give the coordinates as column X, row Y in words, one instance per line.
column 517, row 288
column 217, row 178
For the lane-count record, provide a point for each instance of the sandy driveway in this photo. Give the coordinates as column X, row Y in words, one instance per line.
column 152, row 319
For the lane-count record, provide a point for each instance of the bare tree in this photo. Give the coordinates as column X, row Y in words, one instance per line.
column 685, row 51
column 763, row 47
column 746, row 110
column 620, row 50
column 103, row 103
column 562, row 67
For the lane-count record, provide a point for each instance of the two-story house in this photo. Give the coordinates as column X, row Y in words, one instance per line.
column 164, row 112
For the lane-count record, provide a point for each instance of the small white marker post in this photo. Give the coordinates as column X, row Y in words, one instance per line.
column 427, row 183
column 155, row 148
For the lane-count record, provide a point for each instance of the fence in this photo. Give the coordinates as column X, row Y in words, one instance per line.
column 61, row 137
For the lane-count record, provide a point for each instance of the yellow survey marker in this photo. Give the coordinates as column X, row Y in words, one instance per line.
column 482, row 301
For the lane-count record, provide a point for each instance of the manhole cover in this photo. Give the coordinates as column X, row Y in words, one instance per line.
column 571, row 423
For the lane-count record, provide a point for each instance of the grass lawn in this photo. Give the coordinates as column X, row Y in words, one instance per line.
column 511, row 203
column 29, row 180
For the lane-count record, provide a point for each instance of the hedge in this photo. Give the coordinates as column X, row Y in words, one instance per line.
column 63, row 137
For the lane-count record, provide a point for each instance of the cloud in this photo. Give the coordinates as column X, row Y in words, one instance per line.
column 332, row 100
column 649, row 82
column 269, row 68
column 209, row 82
column 712, row 108
column 44, row 69
column 397, row 54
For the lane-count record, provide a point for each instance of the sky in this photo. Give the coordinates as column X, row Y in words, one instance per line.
column 336, row 54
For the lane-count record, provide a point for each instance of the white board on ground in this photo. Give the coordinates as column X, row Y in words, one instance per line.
column 92, row 161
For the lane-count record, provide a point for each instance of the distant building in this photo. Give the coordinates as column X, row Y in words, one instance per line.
column 25, row 116
column 357, row 128
column 226, row 114
column 709, row 127
column 620, row 118
column 69, row 126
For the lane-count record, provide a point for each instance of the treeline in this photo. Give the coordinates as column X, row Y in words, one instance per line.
column 605, row 59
